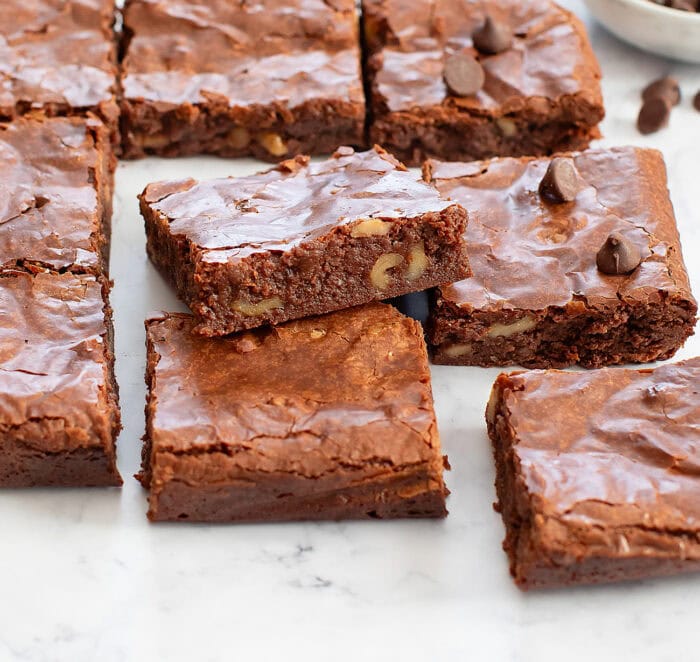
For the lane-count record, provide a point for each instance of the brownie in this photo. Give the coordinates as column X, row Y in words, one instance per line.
column 539, row 95
column 537, row 297
column 322, row 418
column 301, row 239
column 597, row 473
column 272, row 78
column 56, row 183
column 59, row 414
column 58, row 57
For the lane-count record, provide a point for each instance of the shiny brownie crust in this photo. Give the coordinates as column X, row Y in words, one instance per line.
column 302, row 239
column 589, row 495
column 540, row 96
column 322, row 418
column 268, row 79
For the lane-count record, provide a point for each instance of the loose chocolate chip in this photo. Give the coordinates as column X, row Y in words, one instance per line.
column 492, row 37
column 561, row 182
column 618, row 255
column 696, row 102
column 664, row 88
column 463, row 74
column 653, row 116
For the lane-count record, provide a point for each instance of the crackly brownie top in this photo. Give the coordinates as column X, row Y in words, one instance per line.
column 52, row 330
column 529, row 253
column 291, row 204
column 57, row 53
column 242, row 53
column 352, row 387
column 49, row 205
column 550, row 58
column 611, row 451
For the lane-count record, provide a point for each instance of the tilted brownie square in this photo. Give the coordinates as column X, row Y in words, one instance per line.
column 272, row 79
column 56, row 182
column 58, row 57
column 59, row 414
column 597, row 473
column 323, row 418
column 532, row 87
column 302, row 239
column 539, row 297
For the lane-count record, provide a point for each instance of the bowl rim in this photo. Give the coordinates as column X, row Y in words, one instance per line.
column 662, row 10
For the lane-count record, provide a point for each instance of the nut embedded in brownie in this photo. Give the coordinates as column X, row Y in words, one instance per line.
column 302, row 239
column 322, row 418
column 533, row 80
column 575, row 259
column 270, row 79
column 596, row 473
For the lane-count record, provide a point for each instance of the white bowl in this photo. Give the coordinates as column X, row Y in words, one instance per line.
column 655, row 28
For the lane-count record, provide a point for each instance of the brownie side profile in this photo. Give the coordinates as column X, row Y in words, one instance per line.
column 59, row 413
column 597, row 474
column 324, row 418
column 57, row 179
column 302, row 239
column 58, row 58
column 540, row 95
column 271, row 79
column 537, row 297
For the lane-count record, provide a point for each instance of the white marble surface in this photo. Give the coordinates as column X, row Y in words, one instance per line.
column 84, row 577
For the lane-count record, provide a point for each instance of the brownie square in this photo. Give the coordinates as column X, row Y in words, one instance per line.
column 537, row 297
column 58, row 57
column 59, row 414
column 56, row 182
column 323, row 418
column 540, row 95
column 269, row 79
column 302, row 239
column 597, row 473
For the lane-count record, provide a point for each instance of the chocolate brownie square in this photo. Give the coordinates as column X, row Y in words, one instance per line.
column 323, row 418
column 271, row 79
column 59, row 413
column 56, row 182
column 597, row 473
column 532, row 87
column 538, row 297
column 58, row 57
column 302, row 239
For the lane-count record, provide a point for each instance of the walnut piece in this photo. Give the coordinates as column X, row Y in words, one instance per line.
column 273, row 143
column 499, row 330
column 260, row 308
column 418, row 262
column 370, row 227
column 238, row 138
column 379, row 276
column 507, row 127
column 454, row 351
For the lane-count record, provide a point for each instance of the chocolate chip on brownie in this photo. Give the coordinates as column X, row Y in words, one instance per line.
column 654, row 115
column 664, row 88
column 618, row 255
column 463, row 74
column 492, row 37
column 561, row 182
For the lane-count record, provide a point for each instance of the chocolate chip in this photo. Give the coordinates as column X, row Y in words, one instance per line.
column 664, row 88
column 654, row 115
column 618, row 255
column 696, row 102
column 561, row 182
column 492, row 37
column 463, row 74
